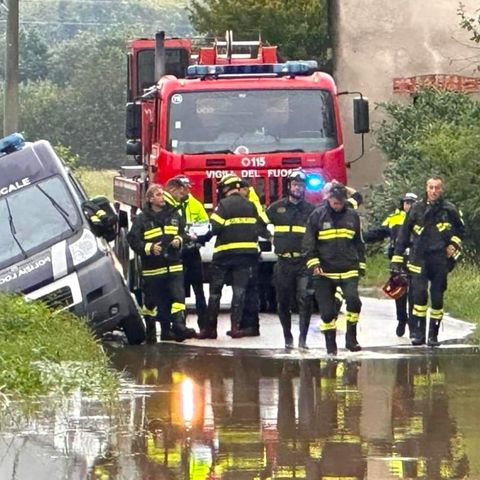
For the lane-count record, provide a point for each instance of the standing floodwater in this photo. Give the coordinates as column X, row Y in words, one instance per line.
column 188, row 413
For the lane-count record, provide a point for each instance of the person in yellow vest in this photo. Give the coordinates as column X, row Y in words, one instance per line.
column 389, row 229
column 193, row 212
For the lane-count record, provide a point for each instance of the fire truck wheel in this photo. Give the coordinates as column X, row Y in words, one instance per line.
column 134, row 329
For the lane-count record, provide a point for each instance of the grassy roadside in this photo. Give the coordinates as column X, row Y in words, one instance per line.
column 97, row 182
column 46, row 353
column 462, row 299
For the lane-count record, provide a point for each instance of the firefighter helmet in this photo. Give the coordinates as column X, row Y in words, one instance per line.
column 297, row 175
column 410, row 197
column 227, row 183
column 396, row 286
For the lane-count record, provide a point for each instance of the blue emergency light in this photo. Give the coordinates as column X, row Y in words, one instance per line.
column 300, row 67
column 11, row 143
column 315, row 182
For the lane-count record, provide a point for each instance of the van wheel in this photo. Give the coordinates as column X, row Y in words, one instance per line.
column 134, row 329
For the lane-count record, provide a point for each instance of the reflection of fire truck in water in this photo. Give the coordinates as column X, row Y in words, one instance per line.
column 220, row 111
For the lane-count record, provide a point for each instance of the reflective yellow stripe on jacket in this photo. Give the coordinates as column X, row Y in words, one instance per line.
column 290, row 228
column 336, row 233
column 235, row 246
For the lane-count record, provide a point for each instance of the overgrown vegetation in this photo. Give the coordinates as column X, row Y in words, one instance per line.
column 438, row 133
column 300, row 28
column 43, row 353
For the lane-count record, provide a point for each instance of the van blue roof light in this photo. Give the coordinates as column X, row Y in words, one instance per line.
column 11, row 143
column 300, row 67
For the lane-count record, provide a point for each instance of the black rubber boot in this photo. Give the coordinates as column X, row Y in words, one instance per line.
column 419, row 336
column 202, row 319
column 351, row 342
column 304, row 324
column 166, row 333
column 331, row 341
column 400, row 331
column 433, row 333
column 151, row 331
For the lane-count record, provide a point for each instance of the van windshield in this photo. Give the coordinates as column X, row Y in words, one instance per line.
column 34, row 218
column 252, row 121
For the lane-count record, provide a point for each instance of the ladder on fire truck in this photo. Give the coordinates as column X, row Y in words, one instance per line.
column 229, row 51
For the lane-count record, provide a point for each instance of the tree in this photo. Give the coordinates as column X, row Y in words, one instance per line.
column 299, row 28
column 439, row 133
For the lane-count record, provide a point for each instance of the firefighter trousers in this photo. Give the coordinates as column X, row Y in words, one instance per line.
column 251, row 308
column 193, row 277
column 166, row 292
column 325, row 289
column 291, row 279
column 240, row 275
column 404, row 305
column 434, row 271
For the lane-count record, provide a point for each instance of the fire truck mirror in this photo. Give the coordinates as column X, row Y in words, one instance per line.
column 133, row 121
column 361, row 121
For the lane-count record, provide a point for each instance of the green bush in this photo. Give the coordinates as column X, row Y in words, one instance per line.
column 43, row 352
column 438, row 133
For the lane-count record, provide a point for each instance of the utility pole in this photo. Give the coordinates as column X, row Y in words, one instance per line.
column 10, row 110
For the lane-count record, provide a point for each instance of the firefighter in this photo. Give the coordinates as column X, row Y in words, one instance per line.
column 389, row 229
column 435, row 229
column 193, row 212
column 156, row 235
column 289, row 216
column 235, row 223
column 335, row 253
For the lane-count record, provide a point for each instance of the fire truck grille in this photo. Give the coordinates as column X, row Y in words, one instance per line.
column 58, row 299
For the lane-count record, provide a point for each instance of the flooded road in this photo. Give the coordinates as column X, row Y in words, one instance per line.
column 188, row 413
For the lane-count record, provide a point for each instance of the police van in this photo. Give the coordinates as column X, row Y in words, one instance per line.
column 49, row 249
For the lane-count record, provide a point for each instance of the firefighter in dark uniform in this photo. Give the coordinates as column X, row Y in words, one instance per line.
column 289, row 217
column 435, row 230
column 235, row 222
column 193, row 212
column 156, row 235
column 389, row 229
column 335, row 253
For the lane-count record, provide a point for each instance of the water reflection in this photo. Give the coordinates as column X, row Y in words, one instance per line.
column 215, row 417
column 191, row 415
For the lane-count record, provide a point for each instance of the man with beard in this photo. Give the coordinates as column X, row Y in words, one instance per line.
column 291, row 277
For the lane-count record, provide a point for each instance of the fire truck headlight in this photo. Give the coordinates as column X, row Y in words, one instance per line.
column 315, row 182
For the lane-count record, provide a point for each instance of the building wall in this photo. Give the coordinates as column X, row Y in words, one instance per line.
column 379, row 40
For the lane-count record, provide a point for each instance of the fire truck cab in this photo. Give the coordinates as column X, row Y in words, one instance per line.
column 228, row 108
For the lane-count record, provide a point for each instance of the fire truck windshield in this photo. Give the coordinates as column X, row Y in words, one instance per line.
column 251, row 121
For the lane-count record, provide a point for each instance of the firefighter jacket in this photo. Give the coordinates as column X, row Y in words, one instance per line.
column 430, row 228
column 235, row 222
column 193, row 210
column 389, row 229
column 333, row 242
column 289, row 221
column 253, row 197
column 162, row 227
column 102, row 218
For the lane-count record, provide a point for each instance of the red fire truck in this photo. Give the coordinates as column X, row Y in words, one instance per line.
column 230, row 107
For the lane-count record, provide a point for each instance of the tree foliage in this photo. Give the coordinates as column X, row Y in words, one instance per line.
column 470, row 22
column 439, row 133
column 299, row 28
column 73, row 71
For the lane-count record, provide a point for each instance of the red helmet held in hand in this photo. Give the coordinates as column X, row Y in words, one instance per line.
column 396, row 286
